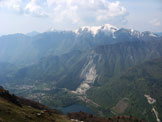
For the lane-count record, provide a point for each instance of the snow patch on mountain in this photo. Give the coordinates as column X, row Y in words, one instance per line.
column 135, row 33
column 95, row 29
column 148, row 34
column 109, row 30
column 92, row 29
column 108, row 27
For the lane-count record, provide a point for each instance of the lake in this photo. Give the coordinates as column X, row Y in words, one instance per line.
column 77, row 108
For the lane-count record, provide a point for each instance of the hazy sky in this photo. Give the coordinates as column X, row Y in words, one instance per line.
column 22, row 16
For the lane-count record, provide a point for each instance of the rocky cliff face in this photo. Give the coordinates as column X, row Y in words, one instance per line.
column 88, row 74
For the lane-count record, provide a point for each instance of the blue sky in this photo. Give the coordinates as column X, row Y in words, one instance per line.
column 22, row 16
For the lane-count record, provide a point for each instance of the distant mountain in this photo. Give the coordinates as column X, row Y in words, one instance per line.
column 114, row 32
column 33, row 33
column 6, row 70
column 159, row 33
column 107, row 29
column 17, row 49
column 24, row 50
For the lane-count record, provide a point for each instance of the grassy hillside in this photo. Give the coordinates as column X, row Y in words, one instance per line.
column 15, row 109
column 12, row 113
column 125, row 94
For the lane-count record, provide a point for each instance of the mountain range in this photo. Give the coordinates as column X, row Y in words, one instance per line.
column 25, row 49
column 110, row 70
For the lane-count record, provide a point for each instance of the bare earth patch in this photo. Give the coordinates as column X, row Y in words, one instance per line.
column 121, row 106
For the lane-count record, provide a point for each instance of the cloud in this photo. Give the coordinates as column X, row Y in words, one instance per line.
column 71, row 12
column 34, row 9
column 11, row 4
column 87, row 11
column 155, row 22
column 30, row 7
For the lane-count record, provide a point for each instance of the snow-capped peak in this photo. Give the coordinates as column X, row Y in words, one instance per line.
column 131, row 30
column 134, row 33
column 95, row 29
column 109, row 27
column 148, row 33
column 92, row 29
